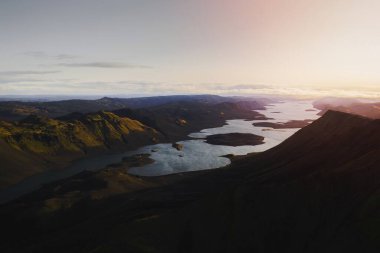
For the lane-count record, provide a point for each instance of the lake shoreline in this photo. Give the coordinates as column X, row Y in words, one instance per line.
column 67, row 169
column 220, row 156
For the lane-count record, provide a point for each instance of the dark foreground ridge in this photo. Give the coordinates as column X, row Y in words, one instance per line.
column 316, row 192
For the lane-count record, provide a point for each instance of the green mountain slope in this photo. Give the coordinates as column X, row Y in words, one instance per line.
column 40, row 142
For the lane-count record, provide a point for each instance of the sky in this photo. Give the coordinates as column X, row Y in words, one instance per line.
column 155, row 47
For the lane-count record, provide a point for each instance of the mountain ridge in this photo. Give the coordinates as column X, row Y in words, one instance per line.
column 17, row 110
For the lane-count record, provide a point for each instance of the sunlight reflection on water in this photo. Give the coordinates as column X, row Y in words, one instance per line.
column 199, row 155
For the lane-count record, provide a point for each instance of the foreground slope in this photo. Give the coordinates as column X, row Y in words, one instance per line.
column 318, row 191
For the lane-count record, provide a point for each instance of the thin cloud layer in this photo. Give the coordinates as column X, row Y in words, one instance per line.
column 41, row 54
column 113, row 65
column 283, row 44
column 20, row 80
column 27, row 72
column 123, row 88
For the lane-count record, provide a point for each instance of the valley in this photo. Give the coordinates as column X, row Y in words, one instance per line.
column 201, row 126
column 173, row 212
column 61, row 147
column 145, row 207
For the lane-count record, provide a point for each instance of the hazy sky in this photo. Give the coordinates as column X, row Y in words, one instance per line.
column 323, row 47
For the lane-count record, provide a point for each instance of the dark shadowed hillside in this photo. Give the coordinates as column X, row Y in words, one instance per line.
column 177, row 120
column 316, row 192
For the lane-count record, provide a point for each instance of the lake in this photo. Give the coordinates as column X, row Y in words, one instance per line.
column 196, row 154
column 199, row 155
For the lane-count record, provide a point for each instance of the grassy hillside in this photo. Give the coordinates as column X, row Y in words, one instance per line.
column 37, row 142
column 17, row 164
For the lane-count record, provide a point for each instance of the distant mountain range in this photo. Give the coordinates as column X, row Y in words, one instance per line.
column 316, row 192
column 17, row 110
column 366, row 109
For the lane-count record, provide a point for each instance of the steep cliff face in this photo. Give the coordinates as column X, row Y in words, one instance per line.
column 39, row 142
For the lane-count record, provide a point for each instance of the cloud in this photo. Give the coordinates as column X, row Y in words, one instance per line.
column 16, row 77
column 37, row 54
column 240, row 87
column 65, row 56
column 95, row 64
column 41, row 54
column 115, row 65
column 19, row 80
column 27, row 72
column 123, row 88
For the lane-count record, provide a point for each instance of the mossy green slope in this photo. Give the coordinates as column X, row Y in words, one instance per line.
column 41, row 142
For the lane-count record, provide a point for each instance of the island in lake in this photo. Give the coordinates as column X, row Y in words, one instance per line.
column 289, row 124
column 235, row 139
